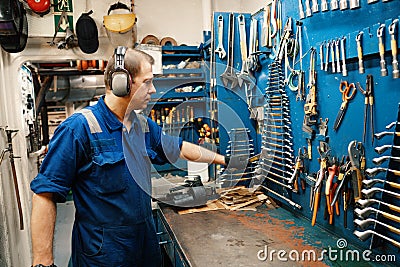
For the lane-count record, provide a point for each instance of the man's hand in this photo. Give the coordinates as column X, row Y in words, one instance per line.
column 236, row 161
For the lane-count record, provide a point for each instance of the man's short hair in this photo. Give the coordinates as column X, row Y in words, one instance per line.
column 132, row 63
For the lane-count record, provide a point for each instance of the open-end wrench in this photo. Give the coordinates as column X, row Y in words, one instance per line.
column 354, row 4
column 369, row 193
column 332, row 50
column 253, row 62
column 270, row 166
column 301, row 10
column 321, row 54
column 324, row 5
column 220, row 46
column 342, row 50
column 334, row 4
column 379, row 34
column 262, row 176
column 343, row 4
column 229, row 75
column 359, row 52
column 315, row 7
column 327, row 45
column 381, row 149
column 337, row 54
column 276, row 162
column 393, row 45
column 372, row 1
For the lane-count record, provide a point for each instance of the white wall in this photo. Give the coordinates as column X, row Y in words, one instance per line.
column 182, row 20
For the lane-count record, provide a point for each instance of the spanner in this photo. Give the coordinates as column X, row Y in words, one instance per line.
column 337, row 54
column 342, row 44
column 332, row 43
column 220, row 47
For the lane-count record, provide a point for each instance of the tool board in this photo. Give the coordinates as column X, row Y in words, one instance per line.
column 318, row 28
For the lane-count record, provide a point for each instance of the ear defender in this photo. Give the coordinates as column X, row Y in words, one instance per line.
column 119, row 79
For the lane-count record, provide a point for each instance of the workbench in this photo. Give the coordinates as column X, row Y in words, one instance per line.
column 235, row 238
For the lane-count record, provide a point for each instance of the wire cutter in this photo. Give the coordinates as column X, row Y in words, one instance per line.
column 345, row 89
column 369, row 103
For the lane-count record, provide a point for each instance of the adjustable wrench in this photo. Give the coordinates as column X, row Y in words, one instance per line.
column 393, row 44
column 379, row 34
column 359, row 52
column 342, row 43
column 244, row 75
column 220, row 47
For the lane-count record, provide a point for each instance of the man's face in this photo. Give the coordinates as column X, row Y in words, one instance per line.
column 142, row 87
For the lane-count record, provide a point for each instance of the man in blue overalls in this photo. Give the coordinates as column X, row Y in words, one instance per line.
column 104, row 153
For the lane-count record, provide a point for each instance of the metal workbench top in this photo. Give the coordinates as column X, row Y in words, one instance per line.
column 247, row 238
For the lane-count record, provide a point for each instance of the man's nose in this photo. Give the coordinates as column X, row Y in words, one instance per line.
column 152, row 89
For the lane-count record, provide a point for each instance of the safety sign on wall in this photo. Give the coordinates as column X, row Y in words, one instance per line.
column 63, row 16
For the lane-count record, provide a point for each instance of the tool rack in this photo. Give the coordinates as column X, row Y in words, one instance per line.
column 318, row 28
column 175, row 109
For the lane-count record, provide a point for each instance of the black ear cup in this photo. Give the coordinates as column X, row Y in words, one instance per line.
column 119, row 79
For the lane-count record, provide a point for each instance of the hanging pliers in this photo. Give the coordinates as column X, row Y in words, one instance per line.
column 369, row 103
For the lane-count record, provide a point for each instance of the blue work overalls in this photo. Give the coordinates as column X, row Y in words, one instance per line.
column 107, row 167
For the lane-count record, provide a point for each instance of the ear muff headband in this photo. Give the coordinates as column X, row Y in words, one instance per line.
column 120, row 78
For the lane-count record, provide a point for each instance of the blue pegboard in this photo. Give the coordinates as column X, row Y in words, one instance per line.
column 320, row 27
